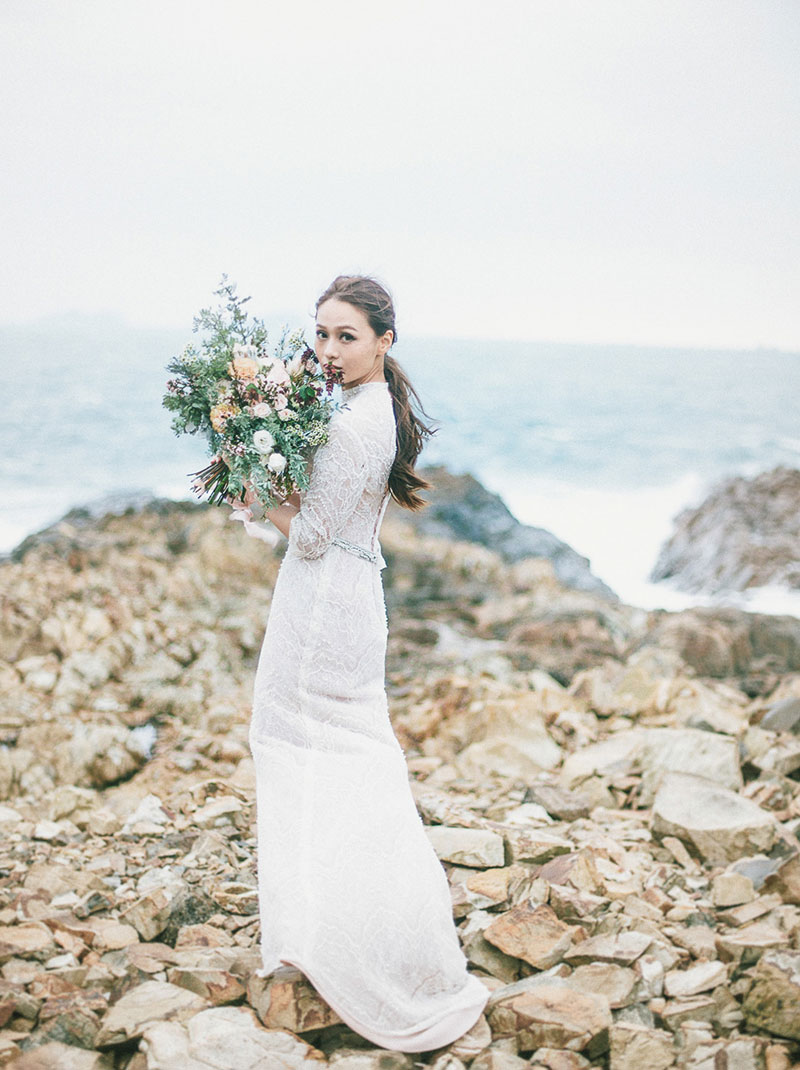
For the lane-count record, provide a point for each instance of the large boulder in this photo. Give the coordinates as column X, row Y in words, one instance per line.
column 745, row 534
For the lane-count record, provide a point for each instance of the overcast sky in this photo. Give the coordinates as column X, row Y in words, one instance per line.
column 592, row 170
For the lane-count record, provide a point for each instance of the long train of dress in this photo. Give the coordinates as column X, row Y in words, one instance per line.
column 350, row 889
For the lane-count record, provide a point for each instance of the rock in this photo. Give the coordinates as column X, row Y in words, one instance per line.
column 461, row 507
column 223, row 810
column 32, row 941
column 554, row 1059
column 286, row 1000
column 725, row 642
column 552, row 1017
column 623, row 949
column 224, row 1037
column 634, row 1047
column 784, row 879
column 721, row 825
column 58, row 1056
column 483, row 954
column 617, row 755
column 731, row 889
column 9, row 817
column 688, row 750
column 151, row 1001
column 534, row 845
column 745, row 534
column 98, row 755
column 654, row 751
column 218, row 986
column 466, row 847
column 149, row 817
column 774, row 997
column 695, row 979
column 617, row 984
column 561, row 804
column 533, row 934
column 746, row 945
column 783, row 716
column 378, row 1058
column 743, row 1053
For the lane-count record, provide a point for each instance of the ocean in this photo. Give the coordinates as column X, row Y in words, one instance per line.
column 602, row 445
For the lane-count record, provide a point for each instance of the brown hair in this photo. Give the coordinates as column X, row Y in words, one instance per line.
column 376, row 303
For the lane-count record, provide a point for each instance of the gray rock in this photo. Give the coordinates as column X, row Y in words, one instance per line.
column 461, row 507
column 745, row 534
column 782, row 716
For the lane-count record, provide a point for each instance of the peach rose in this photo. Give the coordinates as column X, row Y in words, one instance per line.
column 243, row 368
column 220, row 414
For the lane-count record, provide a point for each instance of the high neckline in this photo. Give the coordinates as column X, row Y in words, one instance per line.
column 348, row 390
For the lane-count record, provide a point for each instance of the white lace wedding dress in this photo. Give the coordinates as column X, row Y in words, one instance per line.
column 350, row 889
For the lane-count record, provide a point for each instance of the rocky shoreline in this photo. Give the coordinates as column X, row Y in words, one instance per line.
column 746, row 533
column 614, row 795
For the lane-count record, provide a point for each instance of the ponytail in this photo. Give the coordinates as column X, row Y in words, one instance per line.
column 404, row 482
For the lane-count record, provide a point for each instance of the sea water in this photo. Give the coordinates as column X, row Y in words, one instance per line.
column 601, row 445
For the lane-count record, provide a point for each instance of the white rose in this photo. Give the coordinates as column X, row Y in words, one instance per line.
column 261, row 409
column 277, row 463
column 263, row 441
column 278, row 373
column 245, row 351
column 295, row 365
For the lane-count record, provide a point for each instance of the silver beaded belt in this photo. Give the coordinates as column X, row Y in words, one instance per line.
column 359, row 551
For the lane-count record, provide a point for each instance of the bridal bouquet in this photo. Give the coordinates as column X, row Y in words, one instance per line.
column 263, row 412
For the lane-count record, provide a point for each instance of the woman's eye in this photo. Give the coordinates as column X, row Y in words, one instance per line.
column 347, row 337
column 320, row 333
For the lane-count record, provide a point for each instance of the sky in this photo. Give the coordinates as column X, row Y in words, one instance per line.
column 561, row 170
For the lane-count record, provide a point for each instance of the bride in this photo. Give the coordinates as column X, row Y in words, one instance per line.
column 350, row 889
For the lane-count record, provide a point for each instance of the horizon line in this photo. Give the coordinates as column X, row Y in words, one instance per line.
column 123, row 321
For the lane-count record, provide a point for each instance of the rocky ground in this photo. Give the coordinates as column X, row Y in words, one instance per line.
column 614, row 794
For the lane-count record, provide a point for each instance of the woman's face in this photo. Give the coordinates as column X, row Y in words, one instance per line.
column 346, row 340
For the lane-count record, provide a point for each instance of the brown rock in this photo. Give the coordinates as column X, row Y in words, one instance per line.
column 287, row 1000
column 33, row 941
column 623, row 948
column 636, row 1047
column 618, row 984
column 216, row 985
column 535, row 935
column 146, row 1003
column 551, row 1017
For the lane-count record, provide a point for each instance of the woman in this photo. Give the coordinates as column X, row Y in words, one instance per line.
column 350, row 889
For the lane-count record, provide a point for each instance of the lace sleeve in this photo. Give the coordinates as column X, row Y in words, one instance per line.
column 338, row 478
